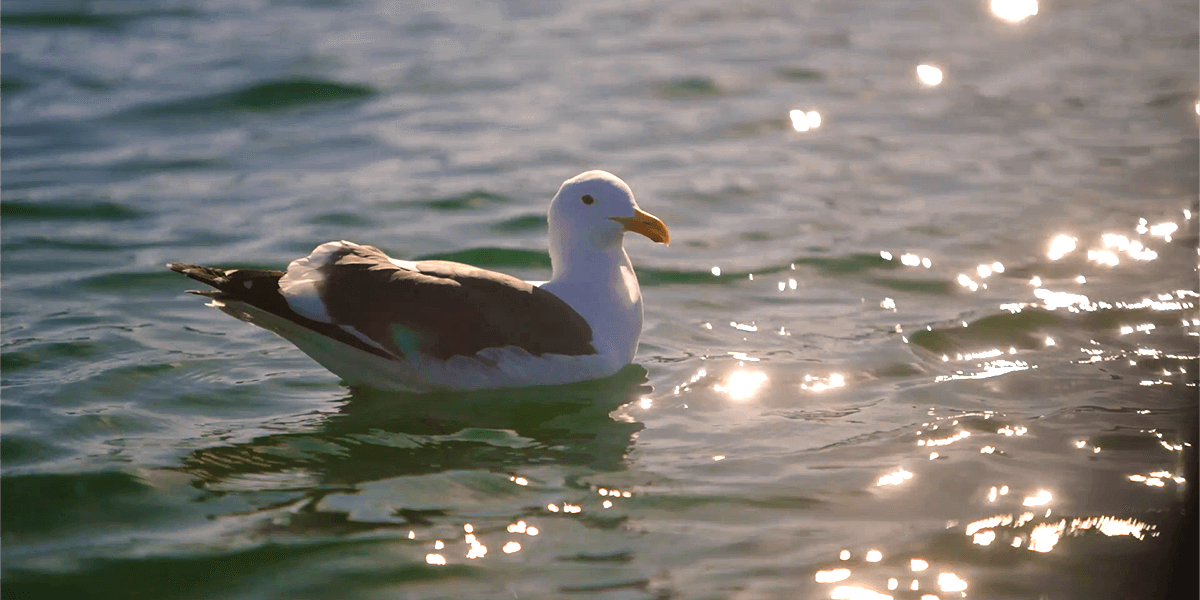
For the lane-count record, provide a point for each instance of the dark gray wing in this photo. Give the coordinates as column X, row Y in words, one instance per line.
column 445, row 309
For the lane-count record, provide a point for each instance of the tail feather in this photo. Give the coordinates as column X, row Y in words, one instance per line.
column 260, row 289
column 233, row 281
column 205, row 275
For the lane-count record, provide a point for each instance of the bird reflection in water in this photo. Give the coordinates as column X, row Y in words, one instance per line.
column 414, row 462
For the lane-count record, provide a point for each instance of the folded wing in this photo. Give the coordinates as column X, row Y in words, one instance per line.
column 360, row 296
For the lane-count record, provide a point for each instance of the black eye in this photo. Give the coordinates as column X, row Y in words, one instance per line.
column 588, row 199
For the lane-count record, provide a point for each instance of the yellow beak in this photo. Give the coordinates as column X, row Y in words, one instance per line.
column 646, row 224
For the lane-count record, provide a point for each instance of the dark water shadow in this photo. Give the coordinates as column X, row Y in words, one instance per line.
column 378, row 435
column 423, row 459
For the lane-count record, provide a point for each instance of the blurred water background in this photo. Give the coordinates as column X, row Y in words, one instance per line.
column 928, row 326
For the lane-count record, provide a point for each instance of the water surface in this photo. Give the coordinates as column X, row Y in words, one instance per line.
column 912, row 336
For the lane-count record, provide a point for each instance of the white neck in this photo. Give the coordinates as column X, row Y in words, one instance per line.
column 597, row 279
column 586, row 259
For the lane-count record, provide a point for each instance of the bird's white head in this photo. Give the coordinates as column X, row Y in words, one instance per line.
column 598, row 207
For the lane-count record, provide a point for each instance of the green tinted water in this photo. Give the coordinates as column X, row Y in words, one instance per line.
column 859, row 340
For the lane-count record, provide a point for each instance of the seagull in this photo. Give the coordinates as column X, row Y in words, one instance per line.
column 390, row 324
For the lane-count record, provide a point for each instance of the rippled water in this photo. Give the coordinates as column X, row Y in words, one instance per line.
column 923, row 329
